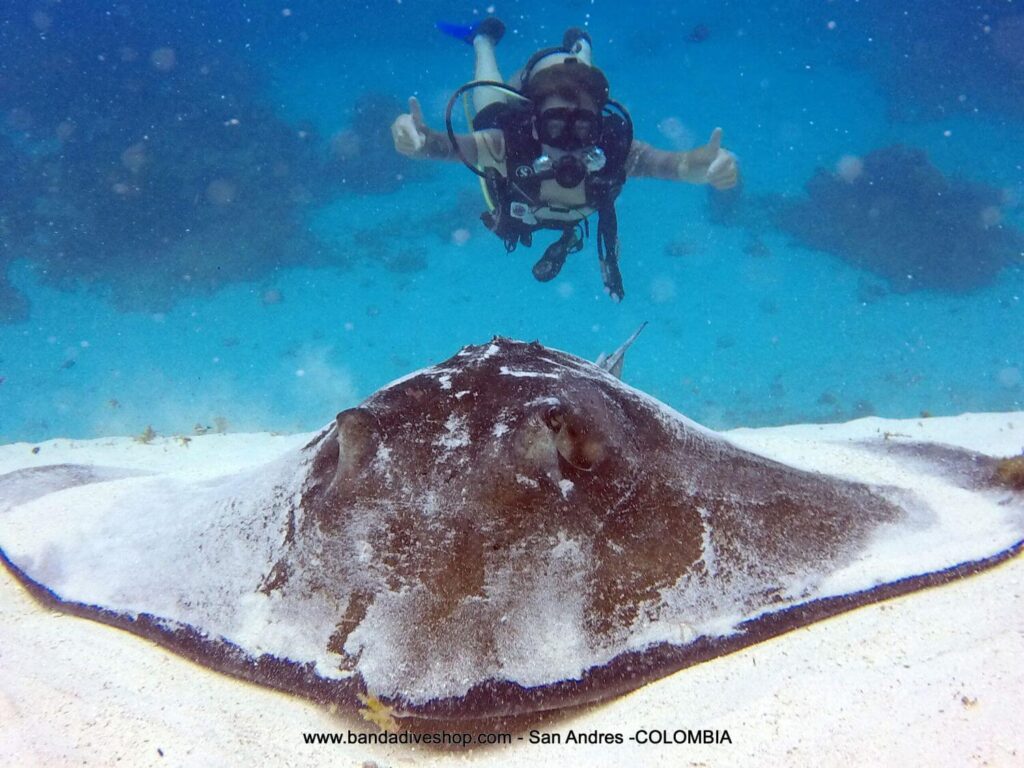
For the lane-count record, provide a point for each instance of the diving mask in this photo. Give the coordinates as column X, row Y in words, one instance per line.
column 569, row 128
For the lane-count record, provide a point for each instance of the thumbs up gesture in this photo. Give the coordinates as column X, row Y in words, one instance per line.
column 409, row 131
column 711, row 164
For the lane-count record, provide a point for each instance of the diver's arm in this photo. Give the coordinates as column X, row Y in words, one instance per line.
column 437, row 146
column 414, row 138
column 709, row 164
column 645, row 160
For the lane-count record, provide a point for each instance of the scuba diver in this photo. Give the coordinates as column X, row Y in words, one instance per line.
column 552, row 148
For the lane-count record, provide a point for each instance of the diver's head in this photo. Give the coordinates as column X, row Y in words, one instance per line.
column 568, row 125
column 568, row 97
column 568, row 93
column 566, row 76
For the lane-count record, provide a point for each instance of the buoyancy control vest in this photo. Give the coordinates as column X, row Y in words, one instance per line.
column 514, row 197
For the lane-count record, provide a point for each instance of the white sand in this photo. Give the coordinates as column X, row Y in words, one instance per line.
column 935, row 678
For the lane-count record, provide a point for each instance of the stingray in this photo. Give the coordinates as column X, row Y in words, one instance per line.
column 509, row 532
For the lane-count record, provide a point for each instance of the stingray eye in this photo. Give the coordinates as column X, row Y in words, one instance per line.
column 554, row 417
column 572, row 439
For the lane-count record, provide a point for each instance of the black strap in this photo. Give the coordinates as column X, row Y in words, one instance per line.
column 608, row 249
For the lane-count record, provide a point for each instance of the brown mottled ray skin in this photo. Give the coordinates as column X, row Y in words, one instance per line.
column 469, row 474
column 638, row 481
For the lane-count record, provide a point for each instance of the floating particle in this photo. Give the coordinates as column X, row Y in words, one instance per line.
column 163, row 59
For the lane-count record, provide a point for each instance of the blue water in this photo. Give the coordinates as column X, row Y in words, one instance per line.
column 267, row 273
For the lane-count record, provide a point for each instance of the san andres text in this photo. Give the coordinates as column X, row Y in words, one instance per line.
column 642, row 736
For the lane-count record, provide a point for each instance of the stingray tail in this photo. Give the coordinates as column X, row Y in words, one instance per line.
column 613, row 362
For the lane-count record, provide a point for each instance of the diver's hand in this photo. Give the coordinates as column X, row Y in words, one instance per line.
column 409, row 131
column 710, row 164
column 612, row 279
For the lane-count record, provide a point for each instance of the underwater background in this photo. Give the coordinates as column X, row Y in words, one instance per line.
column 204, row 226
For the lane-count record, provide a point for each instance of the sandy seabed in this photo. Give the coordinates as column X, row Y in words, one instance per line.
column 935, row 678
